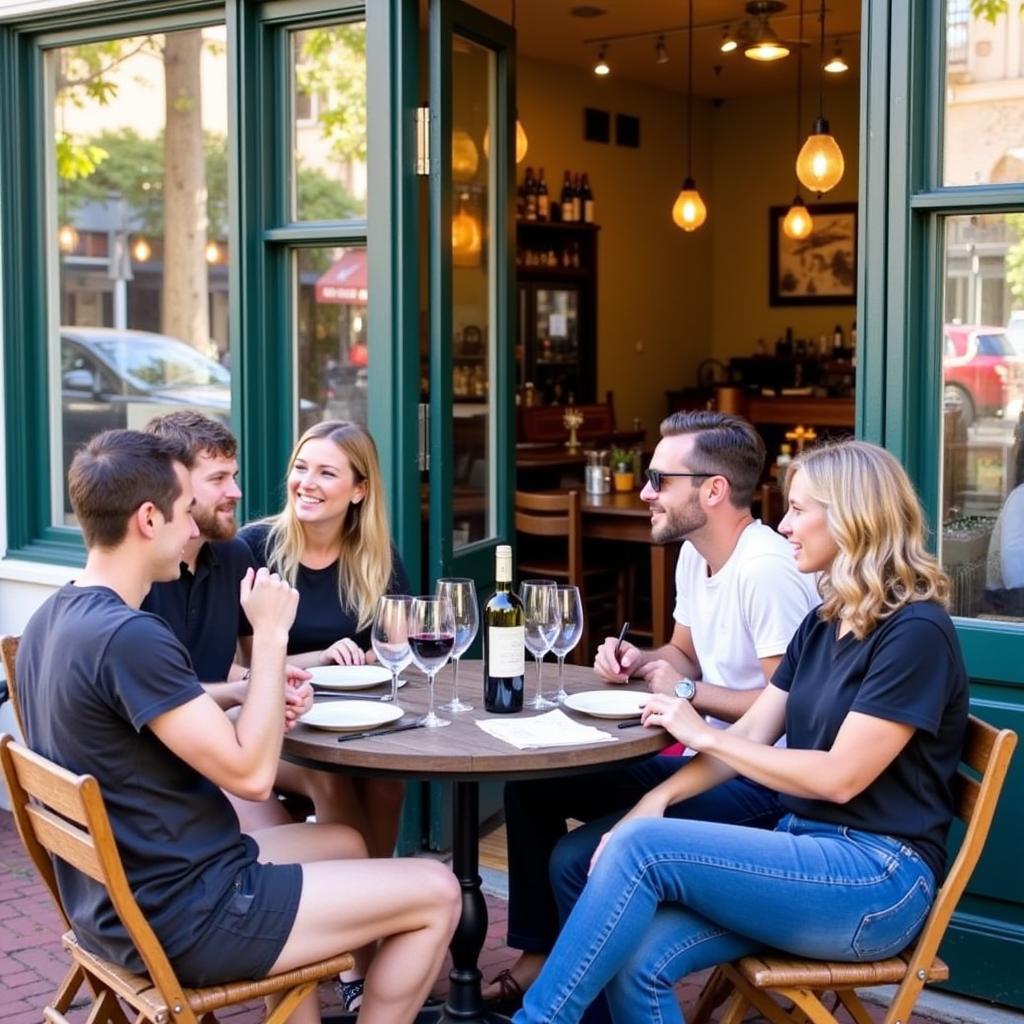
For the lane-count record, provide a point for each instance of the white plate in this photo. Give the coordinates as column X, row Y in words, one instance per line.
column 349, row 677
column 342, row 715
column 607, row 703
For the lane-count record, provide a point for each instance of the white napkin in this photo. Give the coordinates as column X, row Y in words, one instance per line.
column 554, row 729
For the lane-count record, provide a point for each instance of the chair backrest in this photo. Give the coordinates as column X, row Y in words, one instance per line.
column 62, row 814
column 8, row 651
column 554, row 515
column 985, row 762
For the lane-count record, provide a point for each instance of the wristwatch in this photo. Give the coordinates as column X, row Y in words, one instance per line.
column 686, row 688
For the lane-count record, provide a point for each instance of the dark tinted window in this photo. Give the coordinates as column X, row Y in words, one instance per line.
column 993, row 345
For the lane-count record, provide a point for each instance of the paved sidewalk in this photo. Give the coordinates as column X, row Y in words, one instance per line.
column 32, row 961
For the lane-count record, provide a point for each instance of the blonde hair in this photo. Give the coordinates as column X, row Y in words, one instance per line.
column 364, row 557
column 875, row 519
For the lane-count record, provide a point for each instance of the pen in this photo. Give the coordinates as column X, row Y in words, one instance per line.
column 622, row 636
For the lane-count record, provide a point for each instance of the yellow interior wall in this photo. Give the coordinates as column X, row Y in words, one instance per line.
column 654, row 314
column 754, row 149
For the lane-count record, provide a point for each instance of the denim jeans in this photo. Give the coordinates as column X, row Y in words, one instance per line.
column 535, row 813
column 670, row 897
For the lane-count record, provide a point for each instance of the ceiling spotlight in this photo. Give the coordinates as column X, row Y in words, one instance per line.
column 837, row 65
column 728, row 43
column 766, row 46
column 601, row 67
column 660, row 51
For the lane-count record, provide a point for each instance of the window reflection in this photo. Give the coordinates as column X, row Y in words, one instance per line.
column 982, row 543
column 331, row 334
column 138, row 234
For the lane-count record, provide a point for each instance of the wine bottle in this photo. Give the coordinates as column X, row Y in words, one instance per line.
column 567, row 198
column 577, row 199
column 588, row 201
column 504, row 642
column 530, row 188
column 543, row 200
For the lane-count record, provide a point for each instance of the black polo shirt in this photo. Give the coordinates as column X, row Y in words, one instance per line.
column 202, row 608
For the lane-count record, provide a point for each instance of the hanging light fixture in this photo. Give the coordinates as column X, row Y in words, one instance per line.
column 467, row 236
column 820, row 164
column 764, row 44
column 601, row 67
column 797, row 224
column 728, row 43
column 689, row 211
column 660, row 51
column 837, row 65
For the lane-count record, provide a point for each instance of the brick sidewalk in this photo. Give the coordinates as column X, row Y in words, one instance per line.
column 32, row 962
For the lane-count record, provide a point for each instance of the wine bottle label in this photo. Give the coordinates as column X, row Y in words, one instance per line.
column 506, row 651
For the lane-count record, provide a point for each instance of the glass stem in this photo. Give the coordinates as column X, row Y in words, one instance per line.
column 561, row 670
column 540, row 671
column 430, row 691
column 455, row 686
column 394, row 686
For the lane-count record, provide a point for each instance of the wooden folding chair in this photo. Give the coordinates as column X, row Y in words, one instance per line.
column 8, row 651
column 63, row 815
column 760, row 981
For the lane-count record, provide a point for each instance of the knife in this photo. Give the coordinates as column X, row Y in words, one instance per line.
column 418, row 723
column 338, row 695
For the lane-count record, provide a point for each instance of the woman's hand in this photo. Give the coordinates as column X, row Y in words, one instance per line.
column 298, row 695
column 650, row 806
column 679, row 718
column 343, row 652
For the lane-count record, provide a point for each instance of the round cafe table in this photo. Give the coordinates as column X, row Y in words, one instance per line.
column 464, row 755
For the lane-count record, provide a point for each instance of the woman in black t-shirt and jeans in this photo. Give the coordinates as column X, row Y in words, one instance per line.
column 872, row 697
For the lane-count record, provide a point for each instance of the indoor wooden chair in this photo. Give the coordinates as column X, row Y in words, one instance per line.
column 547, row 516
column 8, row 651
column 62, row 814
column 759, row 981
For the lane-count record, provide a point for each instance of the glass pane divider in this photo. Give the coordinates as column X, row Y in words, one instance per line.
column 965, row 198
column 316, row 233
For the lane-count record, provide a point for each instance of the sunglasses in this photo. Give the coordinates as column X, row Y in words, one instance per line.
column 655, row 477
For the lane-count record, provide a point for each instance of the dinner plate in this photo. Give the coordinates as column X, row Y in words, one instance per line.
column 607, row 703
column 349, row 677
column 341, row 715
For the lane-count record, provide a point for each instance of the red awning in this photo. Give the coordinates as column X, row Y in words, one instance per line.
column 345, row 280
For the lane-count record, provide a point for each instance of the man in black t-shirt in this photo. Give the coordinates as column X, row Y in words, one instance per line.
column 108, row 690
column 201, row 606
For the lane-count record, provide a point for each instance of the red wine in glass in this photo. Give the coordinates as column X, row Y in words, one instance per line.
column 431, row 650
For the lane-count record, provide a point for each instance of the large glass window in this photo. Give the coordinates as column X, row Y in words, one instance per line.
column 138, row 235
column 328, row 74
column 983, row 423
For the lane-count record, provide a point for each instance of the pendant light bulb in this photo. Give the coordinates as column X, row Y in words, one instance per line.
column 728, row 43
column 820, row 164
column 522, row 142
column 689, row 211
column 660, row 51
column 602, row 68
column 837, row 65
column 797, row 223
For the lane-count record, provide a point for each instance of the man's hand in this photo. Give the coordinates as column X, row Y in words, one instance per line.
column 618, row 670
column 268, row 601
column 650, row 806
column 679, row 717
column 298, row 695
column 343, row 652
column 660, row 676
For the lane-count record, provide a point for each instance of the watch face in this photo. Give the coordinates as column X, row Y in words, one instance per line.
column 686, row 688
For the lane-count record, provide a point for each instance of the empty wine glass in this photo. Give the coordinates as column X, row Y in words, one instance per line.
column 569, row 608
column 390, row 636
column 462, row 594
column 541, row 627
column 431, row 639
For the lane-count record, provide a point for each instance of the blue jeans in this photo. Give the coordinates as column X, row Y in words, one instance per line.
column 535, row 813
column 670, row 897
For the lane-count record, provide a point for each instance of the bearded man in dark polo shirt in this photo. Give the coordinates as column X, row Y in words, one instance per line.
column 202, row 608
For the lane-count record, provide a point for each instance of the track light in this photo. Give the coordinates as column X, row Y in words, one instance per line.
column 601, row 67
column 728, row 43
column 660, row 51
column 837, row 65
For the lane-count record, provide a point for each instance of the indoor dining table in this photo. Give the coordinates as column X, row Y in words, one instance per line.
column 463, row 755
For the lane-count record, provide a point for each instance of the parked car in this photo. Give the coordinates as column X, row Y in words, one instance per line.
column 982, row 373
column 122, row 378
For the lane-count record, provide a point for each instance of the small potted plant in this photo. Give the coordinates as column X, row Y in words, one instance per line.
column 622, row 469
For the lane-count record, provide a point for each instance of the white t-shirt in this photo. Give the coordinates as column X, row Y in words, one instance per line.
column 748, row 610
column 1006, row 548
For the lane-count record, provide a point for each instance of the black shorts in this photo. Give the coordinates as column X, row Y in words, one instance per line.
column 247, row 929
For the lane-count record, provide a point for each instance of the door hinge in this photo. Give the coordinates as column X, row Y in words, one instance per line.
column 423, row 140
column 423, row 458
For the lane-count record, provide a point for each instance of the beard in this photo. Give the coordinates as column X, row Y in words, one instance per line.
column 211, row 525
column 680, row 523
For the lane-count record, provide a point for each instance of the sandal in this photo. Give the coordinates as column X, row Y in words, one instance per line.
column 350, row 993
column 510, row 994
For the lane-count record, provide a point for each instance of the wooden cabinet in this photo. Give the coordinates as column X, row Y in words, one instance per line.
column 556, row 274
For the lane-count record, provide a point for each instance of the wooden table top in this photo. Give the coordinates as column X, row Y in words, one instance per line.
column 462, row 749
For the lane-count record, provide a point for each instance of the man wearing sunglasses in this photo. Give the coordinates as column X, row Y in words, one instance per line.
column 739, row 600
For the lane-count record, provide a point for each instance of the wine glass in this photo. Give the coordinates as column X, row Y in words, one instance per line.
column 390, row 636
column 431, row 639
column 541, row 627
column 462, row 594
column 569, row 609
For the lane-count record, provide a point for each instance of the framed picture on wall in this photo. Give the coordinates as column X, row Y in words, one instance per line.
column 820, row 270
